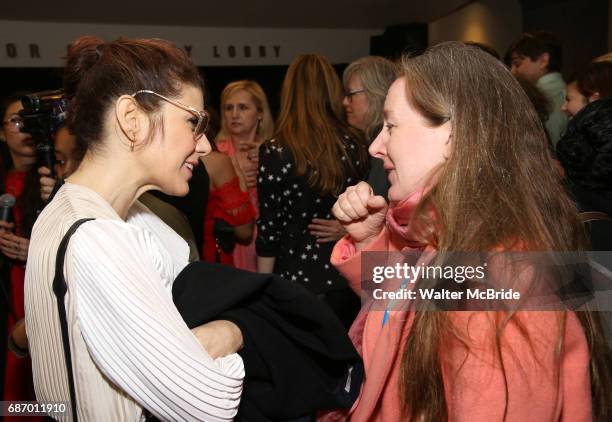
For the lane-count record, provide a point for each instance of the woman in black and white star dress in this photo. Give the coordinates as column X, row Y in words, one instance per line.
column 314, row 156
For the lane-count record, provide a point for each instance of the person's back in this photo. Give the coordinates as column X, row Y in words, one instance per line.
column 71, row 203
column 314, row 156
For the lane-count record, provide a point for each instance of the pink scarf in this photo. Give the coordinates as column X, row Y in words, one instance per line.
column 399, row 221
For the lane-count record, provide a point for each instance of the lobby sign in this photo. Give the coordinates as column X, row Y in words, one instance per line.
column 43, row 44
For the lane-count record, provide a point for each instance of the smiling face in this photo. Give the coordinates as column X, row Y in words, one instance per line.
column 173, row 153
column 410, row 148
column 241, row 114
column 21, row 145
column 574, row 100
column 355, row 103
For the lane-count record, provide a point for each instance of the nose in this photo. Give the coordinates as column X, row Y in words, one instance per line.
column 378, row 147
column 234, row 112
column 564, row 106
column 514, row 70
column 203, row 146
column 345, row 101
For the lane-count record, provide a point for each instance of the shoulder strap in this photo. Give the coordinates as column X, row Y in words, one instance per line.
column 590, row 216
column 60, row 288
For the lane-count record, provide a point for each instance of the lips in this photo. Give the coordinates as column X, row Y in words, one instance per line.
column 190, row 165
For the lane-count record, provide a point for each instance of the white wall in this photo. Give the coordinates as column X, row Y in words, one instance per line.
column 42, row 44
column 494, row 22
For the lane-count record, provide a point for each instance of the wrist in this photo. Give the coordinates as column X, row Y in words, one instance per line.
column 361, row 244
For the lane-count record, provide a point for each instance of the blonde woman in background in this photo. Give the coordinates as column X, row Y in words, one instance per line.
column 246, row 122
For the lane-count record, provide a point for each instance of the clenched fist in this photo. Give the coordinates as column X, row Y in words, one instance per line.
column 361, row 213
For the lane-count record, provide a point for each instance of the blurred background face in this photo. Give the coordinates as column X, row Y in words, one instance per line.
column 355, row 103
column 66, row 160
column 526, row 68
column 574, row 100
column 20, row 144
column 241, row 114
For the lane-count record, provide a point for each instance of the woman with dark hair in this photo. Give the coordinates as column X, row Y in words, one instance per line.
column 590, row 84
column 468, row 176
column 136, row 110
column 312, row 158
column 19, row 179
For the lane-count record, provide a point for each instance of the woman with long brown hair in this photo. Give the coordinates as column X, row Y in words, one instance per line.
column 313, row 157
column 469, row 176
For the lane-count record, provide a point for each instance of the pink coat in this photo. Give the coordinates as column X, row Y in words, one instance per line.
column 474, row 381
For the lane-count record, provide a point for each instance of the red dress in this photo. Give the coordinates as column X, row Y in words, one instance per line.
column 245, row 256
column 231, row 204
column 18, row 374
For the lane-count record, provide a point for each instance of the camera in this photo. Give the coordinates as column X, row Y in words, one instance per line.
column 43, row 114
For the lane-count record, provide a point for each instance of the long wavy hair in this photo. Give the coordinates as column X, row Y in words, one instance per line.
column 310, row 123
column 265, row 128
column 499, row 186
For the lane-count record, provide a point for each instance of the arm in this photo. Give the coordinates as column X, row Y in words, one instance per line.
column 134, row 332
column 271, row 205
column 265, row 264
column 236, row 207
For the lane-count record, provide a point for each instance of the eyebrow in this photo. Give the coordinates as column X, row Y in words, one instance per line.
column 387, row 113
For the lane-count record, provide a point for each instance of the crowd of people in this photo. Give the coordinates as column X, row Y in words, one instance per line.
column 391, row 156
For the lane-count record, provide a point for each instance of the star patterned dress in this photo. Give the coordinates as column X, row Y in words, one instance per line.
column 287, row 205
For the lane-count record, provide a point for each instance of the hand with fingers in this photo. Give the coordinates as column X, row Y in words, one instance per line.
column 47, row 183
column 12, row 246
column 249, row 145
column 361, row 213
column 326, row 230
column 220, row 338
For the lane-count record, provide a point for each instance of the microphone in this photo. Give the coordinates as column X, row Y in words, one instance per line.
column 7, row 202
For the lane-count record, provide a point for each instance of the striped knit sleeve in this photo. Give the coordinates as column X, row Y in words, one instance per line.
column 134, row 333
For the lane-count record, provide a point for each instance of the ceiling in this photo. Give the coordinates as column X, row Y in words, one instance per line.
column 234, row 13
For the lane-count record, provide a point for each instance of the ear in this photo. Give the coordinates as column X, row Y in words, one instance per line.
column 594, row 97
column 132, row 120
column 543, row 61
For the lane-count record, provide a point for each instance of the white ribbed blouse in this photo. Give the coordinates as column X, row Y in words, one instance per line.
column 130, row 347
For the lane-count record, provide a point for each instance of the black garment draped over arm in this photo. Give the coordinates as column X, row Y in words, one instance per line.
column 298, row 358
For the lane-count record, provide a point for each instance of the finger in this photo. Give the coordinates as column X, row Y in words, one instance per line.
column 376, row 202
column 339, row 213
column 322, row 222
column 355, row 206
column 10, row 253
column 44, row 171
column 317, row 229
column 6, row 224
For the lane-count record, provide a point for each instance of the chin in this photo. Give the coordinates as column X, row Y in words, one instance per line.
column 177, row 190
